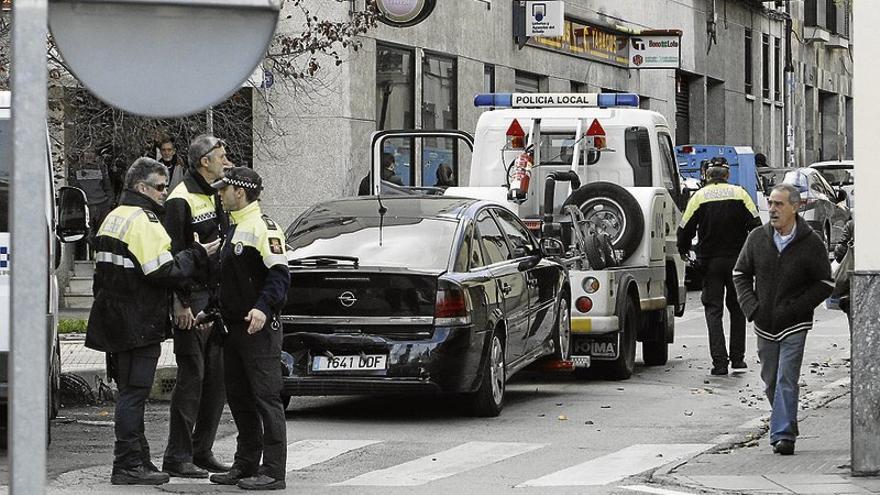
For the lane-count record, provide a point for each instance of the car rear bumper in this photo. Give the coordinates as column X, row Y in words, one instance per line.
column 448, row 360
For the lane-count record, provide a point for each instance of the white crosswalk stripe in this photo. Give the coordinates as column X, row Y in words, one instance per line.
column 305, row 453
column 465, row 457
column 618, row 465
column 653, row 489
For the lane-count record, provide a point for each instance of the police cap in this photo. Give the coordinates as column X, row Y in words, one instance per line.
column 240, row 177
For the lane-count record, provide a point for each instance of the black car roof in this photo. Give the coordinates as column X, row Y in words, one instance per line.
column 399, row 206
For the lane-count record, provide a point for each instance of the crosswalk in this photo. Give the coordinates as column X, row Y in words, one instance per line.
column 464, row 458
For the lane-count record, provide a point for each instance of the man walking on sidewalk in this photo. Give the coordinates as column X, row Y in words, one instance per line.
column 722, row 214
column 198, row 397
column 781, row 275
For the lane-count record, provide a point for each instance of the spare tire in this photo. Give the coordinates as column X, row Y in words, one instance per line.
column 612, row 210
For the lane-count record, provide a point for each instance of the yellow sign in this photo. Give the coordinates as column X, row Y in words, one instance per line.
column 587, row 41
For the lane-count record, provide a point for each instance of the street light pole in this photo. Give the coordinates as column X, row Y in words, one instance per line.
column 30, row 234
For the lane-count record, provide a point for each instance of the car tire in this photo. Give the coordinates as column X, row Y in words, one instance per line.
column 622, row 367
column 54, row 397
column 562, row 332
column 623, row 222
column 488, row 400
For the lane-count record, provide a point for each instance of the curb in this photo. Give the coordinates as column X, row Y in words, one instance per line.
column 163, row 383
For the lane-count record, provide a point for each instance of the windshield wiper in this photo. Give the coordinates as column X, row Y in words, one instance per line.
column 323, row 260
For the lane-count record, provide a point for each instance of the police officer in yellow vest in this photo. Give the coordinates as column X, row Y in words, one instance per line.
column 134, row 271
column 722, row 215
column 253, row 287
column 198, row 397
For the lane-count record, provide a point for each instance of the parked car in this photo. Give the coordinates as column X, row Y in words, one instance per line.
column 840, row 174
column 823, row 206
column 418, row 294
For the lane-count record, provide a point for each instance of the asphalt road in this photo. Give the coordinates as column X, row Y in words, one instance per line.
column 556, row 434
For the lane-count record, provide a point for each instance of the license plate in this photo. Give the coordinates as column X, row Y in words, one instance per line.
column 350, row 363
column 599, row 347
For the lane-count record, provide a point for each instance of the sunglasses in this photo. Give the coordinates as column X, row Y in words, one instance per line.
column 219, row 144
column 159, row 187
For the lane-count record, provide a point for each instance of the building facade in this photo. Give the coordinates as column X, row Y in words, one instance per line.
column 731, row 88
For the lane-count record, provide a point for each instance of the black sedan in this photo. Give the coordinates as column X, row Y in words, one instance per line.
column 418, row 294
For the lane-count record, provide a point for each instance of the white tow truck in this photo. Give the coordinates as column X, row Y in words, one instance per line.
column 595, row 178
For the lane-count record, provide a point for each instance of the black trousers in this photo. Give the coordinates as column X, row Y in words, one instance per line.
column 134, row 373
column 253, row 389
column 198, row 396
column 718, row 289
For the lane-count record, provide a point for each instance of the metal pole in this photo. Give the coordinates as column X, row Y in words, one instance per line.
column 209, row 121
column 28, row 358
column 789, row 93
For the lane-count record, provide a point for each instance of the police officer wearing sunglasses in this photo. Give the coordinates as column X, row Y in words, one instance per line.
column 193, row 207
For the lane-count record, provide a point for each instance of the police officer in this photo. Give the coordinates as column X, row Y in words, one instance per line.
column 198, row 397
column 129, row 319
column 722, row 215
column 253, row 287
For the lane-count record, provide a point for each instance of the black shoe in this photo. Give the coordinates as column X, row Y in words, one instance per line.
column 230, row 478
column 719, row 370
column 137, row 476
column 150, row 467
column 184, row 470
column 738, row 365
column 783, row 447
column 211, row 464
column 262, row 482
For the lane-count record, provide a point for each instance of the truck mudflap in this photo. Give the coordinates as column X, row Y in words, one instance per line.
column 603, row 347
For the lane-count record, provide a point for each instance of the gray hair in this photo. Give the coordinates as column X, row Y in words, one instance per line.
column 141, row 169
column 794, row 196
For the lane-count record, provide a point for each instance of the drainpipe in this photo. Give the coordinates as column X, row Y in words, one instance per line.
column 788, row 95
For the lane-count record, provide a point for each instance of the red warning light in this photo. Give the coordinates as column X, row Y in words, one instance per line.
column 516, row 135
column 596, row 134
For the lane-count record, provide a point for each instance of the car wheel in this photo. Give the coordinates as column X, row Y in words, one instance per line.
column 488, row 400
column 562, row 337
column 612, row 210
column 622, row 367
column 55, row 383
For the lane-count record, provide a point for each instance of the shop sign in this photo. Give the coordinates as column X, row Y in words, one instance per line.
column 404, row 13
column 545, row 18
column 6, row 5
column 655, row 51
column 587, row 41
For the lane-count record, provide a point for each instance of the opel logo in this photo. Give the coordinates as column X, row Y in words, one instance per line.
column 347, row 299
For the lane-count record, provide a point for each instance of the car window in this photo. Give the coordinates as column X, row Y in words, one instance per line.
column 470, row 256
column 492, row 241
column 517, row 234
column 669, row 170
column 829, row 191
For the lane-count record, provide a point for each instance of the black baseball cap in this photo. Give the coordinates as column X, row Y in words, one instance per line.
column 240, row 177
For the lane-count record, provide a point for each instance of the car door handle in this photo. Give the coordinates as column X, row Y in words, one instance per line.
column 506, row 288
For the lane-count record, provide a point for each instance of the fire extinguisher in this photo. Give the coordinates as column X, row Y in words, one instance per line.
column 522, row 174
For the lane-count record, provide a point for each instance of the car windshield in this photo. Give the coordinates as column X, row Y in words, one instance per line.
column 837, row 176
column 416, row 243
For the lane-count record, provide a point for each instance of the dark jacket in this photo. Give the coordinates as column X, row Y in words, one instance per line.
column 779, row 291
column 845, row 241
column 253, row 266
column 134, row 271
column 722, row 215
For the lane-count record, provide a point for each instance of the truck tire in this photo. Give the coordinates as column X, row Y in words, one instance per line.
column 613, row 210
column 622, row 367
column 655, row 352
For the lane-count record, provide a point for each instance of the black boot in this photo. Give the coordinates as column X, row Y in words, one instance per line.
column 137, row 476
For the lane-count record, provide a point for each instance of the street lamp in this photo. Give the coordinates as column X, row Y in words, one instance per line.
column 163, row 58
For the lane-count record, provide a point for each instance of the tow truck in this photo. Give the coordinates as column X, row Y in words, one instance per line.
column 610, row 201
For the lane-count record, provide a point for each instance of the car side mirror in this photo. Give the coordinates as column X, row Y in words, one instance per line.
column 73, row 216
column 841, row 195
column 551, row 246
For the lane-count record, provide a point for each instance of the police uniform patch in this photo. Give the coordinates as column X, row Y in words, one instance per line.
column 275, row 246
column 152, row 216
column 270, row 224
column 238, row 249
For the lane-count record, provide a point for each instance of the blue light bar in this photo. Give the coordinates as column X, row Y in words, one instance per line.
column 618, row 100
column 493, row 100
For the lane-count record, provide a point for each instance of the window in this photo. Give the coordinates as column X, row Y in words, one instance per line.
column 439, row 111
column 527, row 83
column 765, row 61
column 518, row 235
column 470, row 256
column 395, row 96
column 557, row 148
column 488, row 78
column 669, row 170
column 747, row 56
column 492, row 240
column 777, row 60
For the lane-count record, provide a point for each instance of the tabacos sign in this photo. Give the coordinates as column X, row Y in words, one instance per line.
column 404, row 13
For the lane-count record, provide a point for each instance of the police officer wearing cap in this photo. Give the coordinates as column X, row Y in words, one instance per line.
column 722, row 215
column 134, row 270
column 193, row 207
column 254, row 279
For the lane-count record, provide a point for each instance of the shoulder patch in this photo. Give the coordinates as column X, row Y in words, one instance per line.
column 152, row 216
column 275, row 245
column 269, row 223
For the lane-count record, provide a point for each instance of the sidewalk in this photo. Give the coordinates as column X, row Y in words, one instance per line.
column 821, row 464
column 91, row 365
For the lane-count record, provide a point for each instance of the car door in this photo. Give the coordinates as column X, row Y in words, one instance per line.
column 510, row 282
column 837, row 214
column 541, row 279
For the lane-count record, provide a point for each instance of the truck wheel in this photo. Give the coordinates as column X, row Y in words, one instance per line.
column 655, row 352
column 562, row 334
column 622, row 367
column 612, row 210
column 488, row 400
